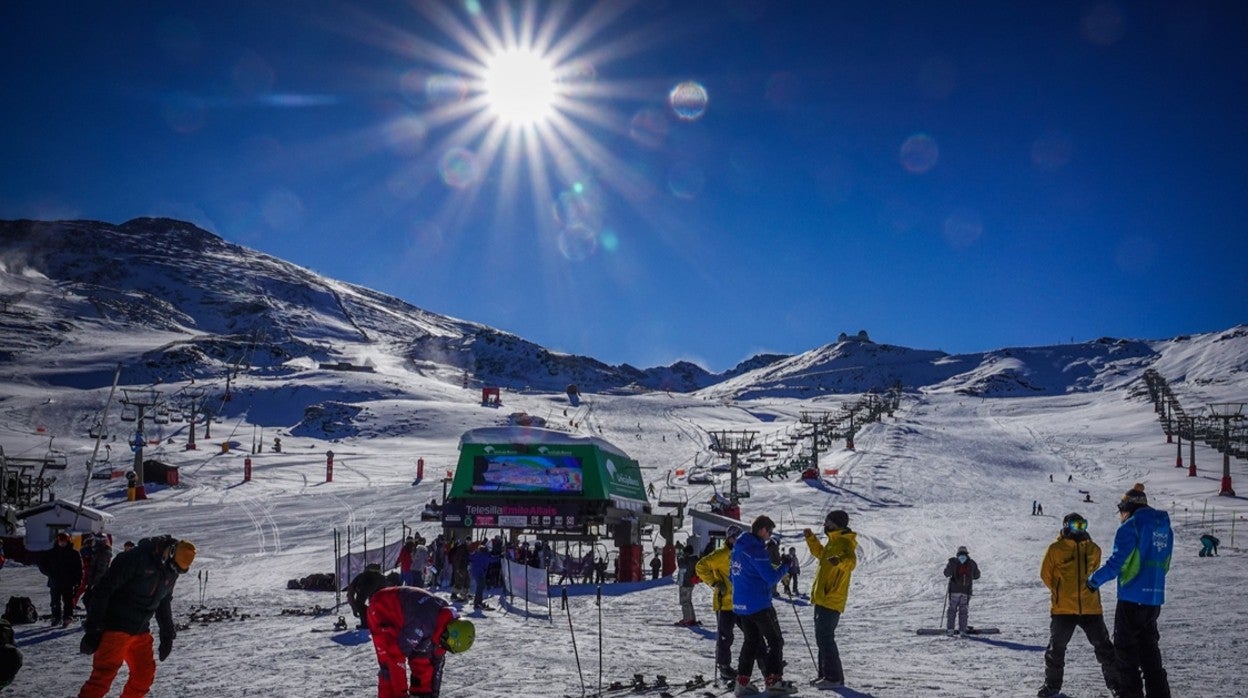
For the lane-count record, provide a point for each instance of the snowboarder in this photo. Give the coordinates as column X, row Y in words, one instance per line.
column 414, row 627
column 1208, row 545
column 686, row 581
column 362, row 588
column 713, row 570
column 1064, row 571
column 1039, row 510
column 1143, row 545
column 138, row 584
column 1033, row 507
column 962, row 572
column 829, row 592
column 63, row 567
column 753, row 577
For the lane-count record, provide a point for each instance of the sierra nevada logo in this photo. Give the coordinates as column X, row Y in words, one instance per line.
column 622, row 478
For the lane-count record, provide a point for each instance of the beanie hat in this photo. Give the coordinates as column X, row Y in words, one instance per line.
column 762, row 522
column 459, row 635
column 183, row 555
column 732, row 531
column 962, row 550
column 836, row 519
column 1133, row 499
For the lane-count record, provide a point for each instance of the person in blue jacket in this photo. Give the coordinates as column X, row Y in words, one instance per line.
column 479, row 565
column 1140, row 561
column 753, row 577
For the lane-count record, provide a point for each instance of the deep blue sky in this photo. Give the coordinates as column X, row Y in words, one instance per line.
column 1073, row 170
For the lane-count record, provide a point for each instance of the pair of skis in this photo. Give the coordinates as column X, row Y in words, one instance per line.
column 639, row 686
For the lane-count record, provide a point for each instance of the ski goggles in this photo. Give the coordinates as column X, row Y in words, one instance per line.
column 1077, row 525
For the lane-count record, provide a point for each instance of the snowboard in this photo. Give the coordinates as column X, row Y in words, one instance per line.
column 969, row 631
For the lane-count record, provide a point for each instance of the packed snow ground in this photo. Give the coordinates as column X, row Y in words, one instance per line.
column 946, row 470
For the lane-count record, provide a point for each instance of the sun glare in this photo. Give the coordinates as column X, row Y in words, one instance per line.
column 520, row 87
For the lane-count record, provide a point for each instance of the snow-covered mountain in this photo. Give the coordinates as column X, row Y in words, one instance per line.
column 181, row 303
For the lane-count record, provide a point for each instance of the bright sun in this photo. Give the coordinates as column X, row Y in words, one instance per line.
column 520, row 87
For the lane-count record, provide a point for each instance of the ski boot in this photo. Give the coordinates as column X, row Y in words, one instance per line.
column 727, row 672
column 778, row 686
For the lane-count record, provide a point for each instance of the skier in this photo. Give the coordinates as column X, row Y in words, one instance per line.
column 97, row 565
column 362, row 588
column 138, row 585
column 63, row 567
column 1143, row 545
column 829, row 592
column 713, row 570
column 790, row 581
column 1208, row 545
column 414, row 627
column 962, row 572
column 687, row 580
column 1065, row 569
column 753, row 577
column 656, row 566
column 405, row 562
column 479, row 561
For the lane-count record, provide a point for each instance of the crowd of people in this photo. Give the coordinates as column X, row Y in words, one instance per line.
column 743, row 574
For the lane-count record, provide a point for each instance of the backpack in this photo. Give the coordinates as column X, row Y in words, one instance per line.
column 21, row 610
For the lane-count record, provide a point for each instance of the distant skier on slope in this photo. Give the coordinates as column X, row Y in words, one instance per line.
column 1065, row 569
column 412, row 627
column 962, row 572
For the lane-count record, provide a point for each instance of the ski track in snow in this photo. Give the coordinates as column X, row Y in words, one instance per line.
column 948, row 470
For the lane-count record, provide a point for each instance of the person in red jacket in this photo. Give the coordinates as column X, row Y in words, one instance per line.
column 413, row 627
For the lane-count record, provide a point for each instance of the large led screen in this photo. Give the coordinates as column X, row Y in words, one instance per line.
column 527, row 474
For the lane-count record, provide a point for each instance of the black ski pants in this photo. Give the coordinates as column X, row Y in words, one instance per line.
column 826, row 621
column 762, row 642
column 62, row 602
column 1061, row 628
column 1136, row 651
column 725, row 622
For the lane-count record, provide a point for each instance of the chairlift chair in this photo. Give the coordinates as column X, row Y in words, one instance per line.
column 161, row 416
column 129, row 413
column 674, row 497
column 97, row 431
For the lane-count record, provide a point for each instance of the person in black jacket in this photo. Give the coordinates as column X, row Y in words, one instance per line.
column 138, row 585
column 362, row 588
column 101, row 555
column 62, row 565
column 962, row 573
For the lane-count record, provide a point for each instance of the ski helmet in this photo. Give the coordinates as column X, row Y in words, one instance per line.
column 459, row 635
column 1074, row 523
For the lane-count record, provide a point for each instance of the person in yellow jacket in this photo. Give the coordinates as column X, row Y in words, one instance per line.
column 713, row 570
column 830, row 590
column 1067, row 564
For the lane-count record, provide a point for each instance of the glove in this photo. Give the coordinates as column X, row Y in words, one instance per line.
column 90, row 641
column 166, row 646
column 721, row 588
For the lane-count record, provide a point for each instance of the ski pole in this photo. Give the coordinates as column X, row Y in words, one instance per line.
column 579, row 676
column 801, row 627
column 599, row 638
column 943, row 606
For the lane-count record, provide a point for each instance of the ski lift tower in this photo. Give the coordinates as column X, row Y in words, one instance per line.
column 140, row 399
column 818, row 421
column 194, row 397
column 733, row 444
column 1227, row 412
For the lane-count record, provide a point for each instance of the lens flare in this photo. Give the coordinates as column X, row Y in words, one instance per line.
column 577, row 243
column 919, row 153
column 459, row 168
column 648, row 128
column 685, row 180
column 688, row 100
